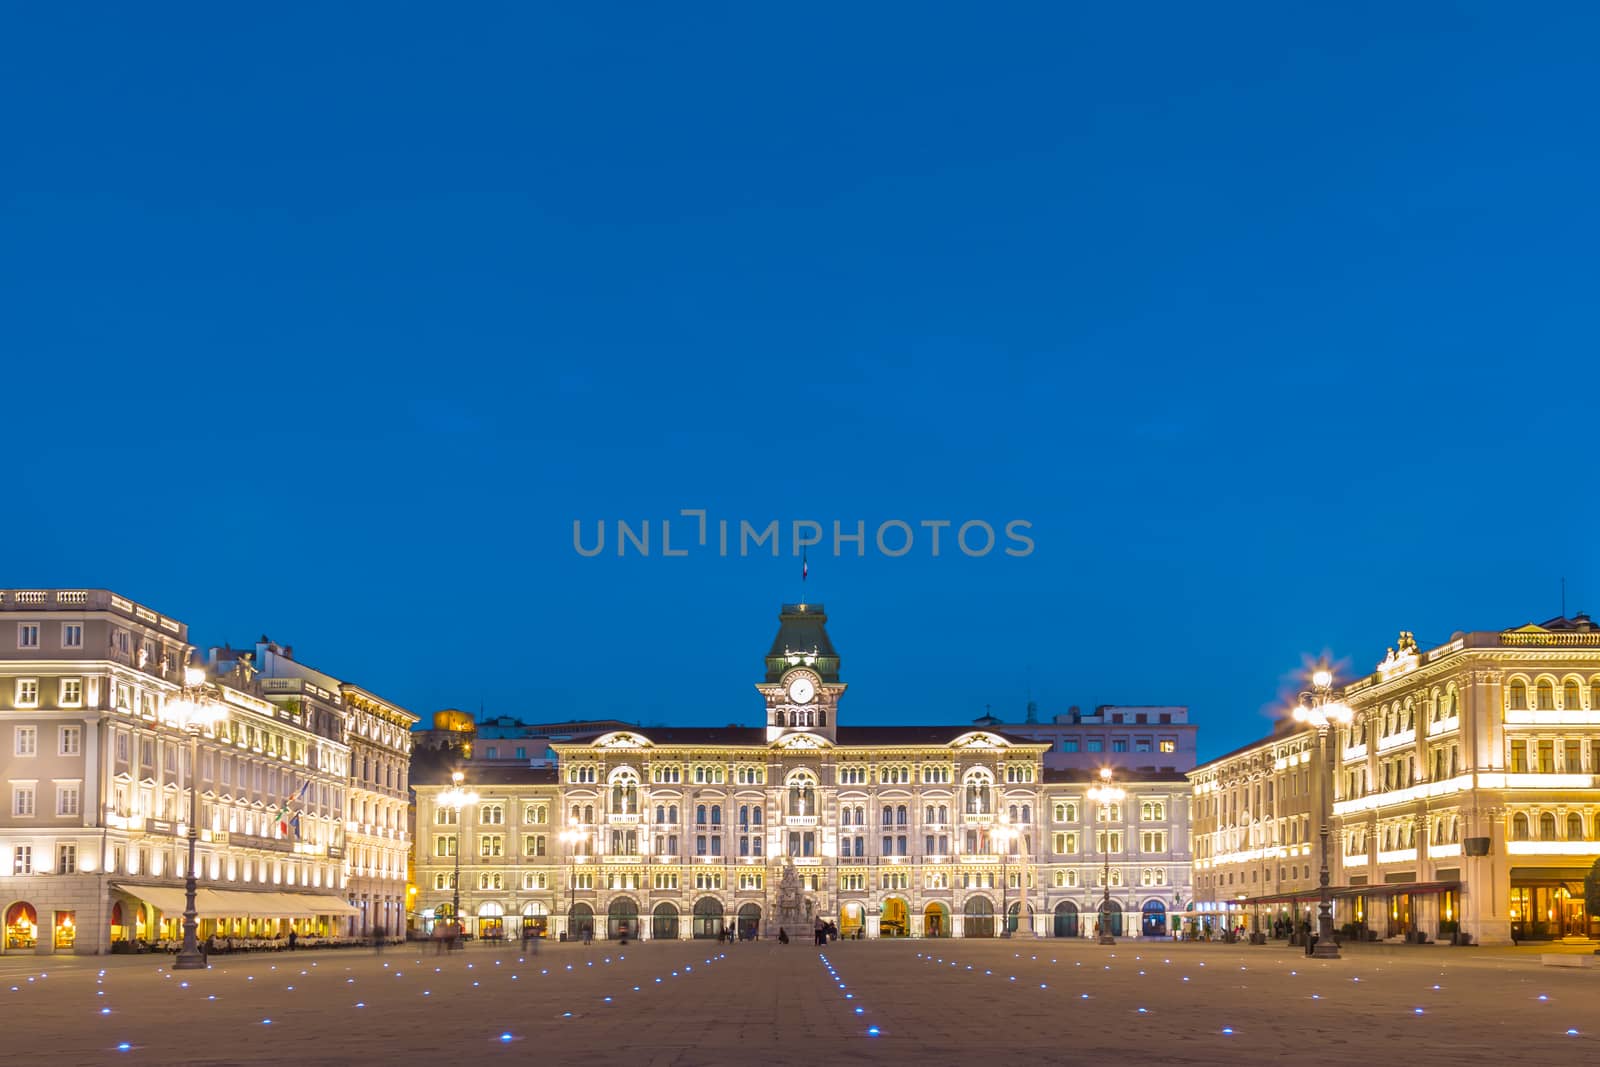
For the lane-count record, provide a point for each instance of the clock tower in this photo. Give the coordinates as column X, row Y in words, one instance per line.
column 802, row 686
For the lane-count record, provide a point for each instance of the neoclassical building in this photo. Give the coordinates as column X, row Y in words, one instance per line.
column 1466, row 794
column 300, row 786
column 889, row 831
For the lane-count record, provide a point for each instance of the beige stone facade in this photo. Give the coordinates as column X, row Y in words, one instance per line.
column 919, row 831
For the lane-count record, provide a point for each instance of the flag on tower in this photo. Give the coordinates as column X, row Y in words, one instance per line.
column 805, row 567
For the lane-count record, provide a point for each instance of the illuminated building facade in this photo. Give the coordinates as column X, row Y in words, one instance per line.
column 98, row 781
column 888, row 831
column 1466, row 792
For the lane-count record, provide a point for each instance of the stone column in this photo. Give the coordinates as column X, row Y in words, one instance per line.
column 1485, row 903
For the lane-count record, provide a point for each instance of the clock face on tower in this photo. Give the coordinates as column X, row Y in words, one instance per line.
column 801, row 690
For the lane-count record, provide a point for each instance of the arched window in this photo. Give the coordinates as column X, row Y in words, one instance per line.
column 900, row 815
column 1027, row 813
column 888, row 815
column 624, row 791
column 1571, row 697
column 716, row 815
column 802, row 794
column 1547, row 827
column 755, row 814
column 1519, row 827
column 927, row 814
column 1547, row 696
column 1574, row 827
column 700, row 815
column 979, row 799
column 1518, row 700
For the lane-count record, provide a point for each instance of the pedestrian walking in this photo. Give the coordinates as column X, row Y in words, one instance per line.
column 294, row 939
column 588, row 934
column 783, row 936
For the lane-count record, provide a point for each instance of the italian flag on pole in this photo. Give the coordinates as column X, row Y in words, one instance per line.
column 283, row 812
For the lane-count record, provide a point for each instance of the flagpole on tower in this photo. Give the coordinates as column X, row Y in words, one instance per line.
column 805, row 569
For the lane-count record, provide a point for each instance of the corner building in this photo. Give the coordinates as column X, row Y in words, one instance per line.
column 1466, row 795
column 889, row 831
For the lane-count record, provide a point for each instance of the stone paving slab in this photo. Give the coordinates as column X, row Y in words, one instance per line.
column 688, row 1003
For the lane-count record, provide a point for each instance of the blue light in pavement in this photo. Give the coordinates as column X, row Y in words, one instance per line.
column 872, row 1031
column 505, row 1036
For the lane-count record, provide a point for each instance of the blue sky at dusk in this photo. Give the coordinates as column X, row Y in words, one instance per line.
column 1277, row 325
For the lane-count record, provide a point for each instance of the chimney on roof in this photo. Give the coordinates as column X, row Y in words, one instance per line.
column 288, row 652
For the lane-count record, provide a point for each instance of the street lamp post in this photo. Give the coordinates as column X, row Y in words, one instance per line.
column 1003, row 836
column 459, row 799
column 571, row 838
column 1106, row 794
column 1317, row 708
column 192, row 712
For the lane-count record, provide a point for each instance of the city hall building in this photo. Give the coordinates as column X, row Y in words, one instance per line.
column 1465, row 795
column 887, row 831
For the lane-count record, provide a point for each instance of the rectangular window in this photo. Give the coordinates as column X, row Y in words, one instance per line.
column 1519, row 759
column 444, row 845
column 71, row 741
column 71, row 693
column 22, row 801
column 1096, row 745
column 27, row 741
column 533, row 845
column 72, row 635
column 67, row 800
column 491, row 845
column 27, row 692
column 1141, row 744
column 1547, row 757
column 66, row 859
column 1169, row 746
column 1119, row 744
column 1069, row 744
column 28, row 635
column 23, row 863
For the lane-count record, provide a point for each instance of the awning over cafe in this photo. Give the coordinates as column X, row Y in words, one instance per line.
column 221, row 903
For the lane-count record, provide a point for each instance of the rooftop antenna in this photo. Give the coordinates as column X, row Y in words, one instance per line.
column 1032, row 718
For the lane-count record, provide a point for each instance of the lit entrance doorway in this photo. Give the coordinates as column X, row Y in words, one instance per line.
column 580, row 919
column 936, row 920
column 535, row 919
column 749, row 922
column 708, row 919
column 22, row 927
column 978, row 920
column 893, row 922
column 1066, row 919
column 850, row 919
column 622, row 919
column 491, row 922
column 1153, row 919
column 1399, row 915
column 664, row 922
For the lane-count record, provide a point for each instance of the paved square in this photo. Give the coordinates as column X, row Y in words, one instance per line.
column 936, row 1002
